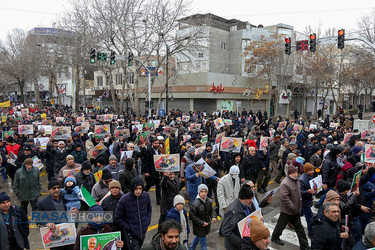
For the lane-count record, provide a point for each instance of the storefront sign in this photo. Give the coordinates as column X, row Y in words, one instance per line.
column 217, row 89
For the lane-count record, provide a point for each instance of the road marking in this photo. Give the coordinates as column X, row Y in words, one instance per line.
column 152, row 227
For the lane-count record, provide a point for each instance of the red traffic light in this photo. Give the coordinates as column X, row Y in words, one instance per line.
column 287, row 40
column 312, row 36
column 341, row 32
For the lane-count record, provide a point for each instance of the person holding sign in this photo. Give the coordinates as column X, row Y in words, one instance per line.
column 259, row 237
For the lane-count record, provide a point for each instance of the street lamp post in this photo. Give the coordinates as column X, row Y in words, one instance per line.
column 166, row 81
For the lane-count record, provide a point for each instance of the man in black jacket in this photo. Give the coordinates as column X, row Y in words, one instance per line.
column 152, row 177
column 110, row 203
column 326, row 235
column 252, row 165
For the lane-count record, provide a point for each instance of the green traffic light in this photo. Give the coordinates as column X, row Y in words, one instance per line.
column 92, row 60
column 112, row 62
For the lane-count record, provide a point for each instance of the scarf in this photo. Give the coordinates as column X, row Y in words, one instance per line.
column 183, row 233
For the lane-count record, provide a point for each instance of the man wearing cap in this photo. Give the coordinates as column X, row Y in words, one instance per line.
column 59, row 155
column 133, row 214
column 100, row 188
column 110, row 203
column 14, row 226
column 290, row 209
column 251, row 166
column 114, row 167
column 27, row 185
column 259, row 237
column 85, row 176
column 27, row 153
column 70, row 165
column 356, row 155
column 79, row 154
column 128, row 175
column 235, row 212
column 307, row 193
column 228, row 188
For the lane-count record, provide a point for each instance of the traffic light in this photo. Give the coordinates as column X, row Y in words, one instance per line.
column 341, row 39
column 130, row 58
column 113, row 57
column 92, row 55
column 288, row 45
column 312, row 42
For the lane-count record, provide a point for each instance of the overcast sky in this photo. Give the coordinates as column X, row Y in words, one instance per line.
column 27, row 14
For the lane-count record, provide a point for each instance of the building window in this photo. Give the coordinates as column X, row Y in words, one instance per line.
column 223, row 45
column 118, row 79
column 197, row 65
column 99, row 80
column 200, row 54
column 131, row 78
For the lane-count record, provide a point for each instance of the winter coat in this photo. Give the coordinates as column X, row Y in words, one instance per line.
column 329, row 171
column 200, row 212
column 99, row 190
column 174, row 214
column 248, row 244
column 59, row 157
column 126, row 178
column 251, row 167
column 110, row 204
column 193, row 182
column 72, row 199
column 115, row 171
column 305, row 186
column 170, row 188
column 274, row 150
column 88, row 181
column 315, row 160
column 361, row 246
column 79, row 156
column 133, row 214
column 148, row 165
column 227, row 192
column 155, row 244
column 309, row 150
column 290, row 196
column 20, row 227
column 21, row 157
column 326, row 235
column 26, row 184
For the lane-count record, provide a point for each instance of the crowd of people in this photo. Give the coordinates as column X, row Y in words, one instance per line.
column 296, row 151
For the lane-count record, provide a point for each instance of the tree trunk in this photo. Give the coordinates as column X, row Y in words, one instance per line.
column 122, row 96
column 316, row 100
column 109, row 79
column 21, row 83
column 37, row 93
column 136, row 99
column 78, row 88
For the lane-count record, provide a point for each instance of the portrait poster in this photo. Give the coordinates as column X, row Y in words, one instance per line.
column 12, row 158
column 270, row 194
column 185, row 118
column 165, row 163
column 227, row 122
column 25, row 129
column 369, row 153
column 368, row 133
column 282, row 125
column 297, row 128
column 125, row 155
column 61, row 132
column 142, row 137
column 347, row 137
column 102, row 129
column 99, row 117
column 204, row 139
column 60, row 119
column 96, row 151
column 316, row 184
column 334, row 125
column 71, row 171
column 219, row 123
column 101, row 241
column 219, row 137
column 355, row 183
column 264, row 142
column 203, row 169
column 231, row 143
column 216, row 149
column 156, row 123
column 37, row 163
column 244, row 224
column 47, row 129
column 107, row 117
column 137, row 128
column 199, row 151
column 63, row 234
column 80, row 119
column 185, row 138
column 148, row 127
column 195, row 126
column 41, row 142
column 6, row 134
column 47, row 122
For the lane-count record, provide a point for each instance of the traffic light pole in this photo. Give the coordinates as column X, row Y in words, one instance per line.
column 333, row 40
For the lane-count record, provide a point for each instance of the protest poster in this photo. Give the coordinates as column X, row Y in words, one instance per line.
column 105, row 196
column 282, row 125
column 25, row 129
column 47, row 122
column 43, row 116
column 41, row 142
column 85, row 196
column 219, row 123
column 12, row 158
column 25, row 111
column 297, row 128
column 98, row 175
column 228, row 122
column 125, row 155
column 334, row 125
column 230, row 143
column 185, row 118
column 215, row 149
column 63, row 234
column 102, row 129
column 67, row 172
column 46, row 128
column 185, row 138
column 105, row 241
column 107, row 117
column 6, row 134
column 316, row 184
column 60, row 119
column 270, row 194
column 313, row 126
column 199, row 151
column 142, row 137
column 347, row 137
column 264, row 142
column 37, row 163
column 61, row 132
column 195, row 126
column 80, row 119
column 137, row 128
column 203, row 169
column 148, row 127
column 79, row 129
column 369, row 153
column 96, row 151
column 368, row 133
column 244, row 224
column 355, row 182
column 119, row 133
column 204, row 139
column 156, row 123
column 219, row 137
column 169, row 163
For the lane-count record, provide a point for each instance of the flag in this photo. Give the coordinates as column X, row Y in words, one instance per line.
column 86, row 197
column 167, row 148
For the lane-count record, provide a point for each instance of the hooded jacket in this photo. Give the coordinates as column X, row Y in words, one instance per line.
column 27, row 184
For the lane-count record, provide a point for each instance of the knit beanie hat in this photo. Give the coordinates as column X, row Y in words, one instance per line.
column 86, row 165
column 341, row 148
column 70, row 178
column 28, row 161
column 258, row 231
column 308, row 166
column 112, row 157
column 95, row 210
column 136, row 182
column 356, row 149
column 291, row 156
column 191, row 150
column 129, row 163
column 201, row 187
column 291, row 170
column 245, row 193
column 106, row 174
column 234, row 170
column 178, row 199
column 114, row 184
column 330, row 146
column 100, row 160
column 331, row 194
column 4, row 197
column 53, row 182
column 343, row 185
column 351, row 173
column 69, row 157
column 316, row 149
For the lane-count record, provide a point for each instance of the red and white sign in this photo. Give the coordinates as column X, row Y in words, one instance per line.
column 373, row 119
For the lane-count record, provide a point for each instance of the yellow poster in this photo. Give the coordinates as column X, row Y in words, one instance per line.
column 43, row 116
column 4, row 104
column 3, row 118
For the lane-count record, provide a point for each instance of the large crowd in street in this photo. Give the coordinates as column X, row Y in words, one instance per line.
column 201, row 165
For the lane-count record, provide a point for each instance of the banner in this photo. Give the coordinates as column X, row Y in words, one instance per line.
column 102, row 129
column 41, row 142
column 169, row 163
column 63, row 234
column 316, row 184
column 103, row 241
column 25, row 129
column 264, row 142
column 231, row 143
column 5, row 104
column 244, row 224
column 61, row 133
column 370, row 153
column 203, row 169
